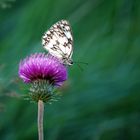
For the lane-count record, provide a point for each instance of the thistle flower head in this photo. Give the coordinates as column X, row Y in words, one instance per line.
column 43, row 72
column 42, row 66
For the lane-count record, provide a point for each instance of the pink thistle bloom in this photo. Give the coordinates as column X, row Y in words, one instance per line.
column 41, row 66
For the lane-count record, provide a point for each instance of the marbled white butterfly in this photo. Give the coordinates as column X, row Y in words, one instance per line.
column 58, row 41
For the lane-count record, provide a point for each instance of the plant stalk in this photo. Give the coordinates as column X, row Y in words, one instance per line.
column 40, row 119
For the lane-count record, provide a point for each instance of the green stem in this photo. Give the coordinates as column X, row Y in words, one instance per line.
column 40, row 119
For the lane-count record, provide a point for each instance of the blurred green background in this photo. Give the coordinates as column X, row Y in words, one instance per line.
column 99, row 103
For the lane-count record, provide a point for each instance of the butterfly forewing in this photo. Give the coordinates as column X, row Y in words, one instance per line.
column 58, row 40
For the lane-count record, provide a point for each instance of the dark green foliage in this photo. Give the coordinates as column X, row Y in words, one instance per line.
column 99, row 103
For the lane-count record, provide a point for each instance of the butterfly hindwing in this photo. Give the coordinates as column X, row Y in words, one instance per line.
column 58, row 40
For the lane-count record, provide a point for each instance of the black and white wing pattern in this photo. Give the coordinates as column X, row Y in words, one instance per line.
column 58, row 41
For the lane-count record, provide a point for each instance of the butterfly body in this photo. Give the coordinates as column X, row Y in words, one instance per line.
column 58, row 41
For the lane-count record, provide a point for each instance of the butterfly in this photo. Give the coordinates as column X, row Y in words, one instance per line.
column 58, row 41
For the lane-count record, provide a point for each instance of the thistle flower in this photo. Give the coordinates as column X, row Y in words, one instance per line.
column 43, row 72
column 42, row 66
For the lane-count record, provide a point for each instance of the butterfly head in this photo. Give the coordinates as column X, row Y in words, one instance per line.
column 67, row 61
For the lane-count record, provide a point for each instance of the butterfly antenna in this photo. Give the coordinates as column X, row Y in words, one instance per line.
column 80, row 67
column 81, row 62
